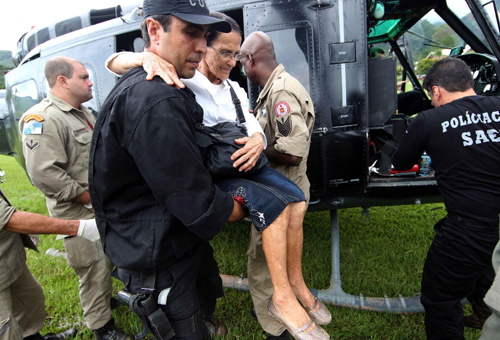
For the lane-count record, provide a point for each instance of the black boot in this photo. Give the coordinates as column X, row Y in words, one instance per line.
column 214, row 326
column 481, row 312
column 69, row 333
column 110, row 332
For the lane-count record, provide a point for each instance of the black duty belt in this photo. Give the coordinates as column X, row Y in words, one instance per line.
column 470, row 221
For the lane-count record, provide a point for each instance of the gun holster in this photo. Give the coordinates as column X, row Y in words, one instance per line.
column 144, row 305
column 152, row 317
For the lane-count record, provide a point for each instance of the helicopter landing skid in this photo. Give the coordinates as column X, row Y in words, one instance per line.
column 334, row 295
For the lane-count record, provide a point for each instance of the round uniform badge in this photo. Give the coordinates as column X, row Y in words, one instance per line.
column 282, row 109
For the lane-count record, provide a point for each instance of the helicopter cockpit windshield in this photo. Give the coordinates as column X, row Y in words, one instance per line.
column 417, row 34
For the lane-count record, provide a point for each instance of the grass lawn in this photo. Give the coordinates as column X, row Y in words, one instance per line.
column 383, row 256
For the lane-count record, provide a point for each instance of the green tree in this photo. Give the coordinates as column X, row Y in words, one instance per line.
column 425, row 65
column 428, row 28
column 418, row 45
column 446, row 36
column 6, row 64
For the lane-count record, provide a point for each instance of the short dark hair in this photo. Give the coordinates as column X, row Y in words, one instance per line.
column 164, row 19
column 452, row 74
column 213, row 34
column 58, row 66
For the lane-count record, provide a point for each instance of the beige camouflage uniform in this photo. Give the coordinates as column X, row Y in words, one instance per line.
column 286, row 113
column 22, row 303
column 56, row 146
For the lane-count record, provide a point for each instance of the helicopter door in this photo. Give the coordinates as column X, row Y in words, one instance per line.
column 290, row 27
column 321, row 45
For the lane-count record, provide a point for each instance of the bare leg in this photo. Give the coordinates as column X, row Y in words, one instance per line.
column 274, row 242
column 295, row 238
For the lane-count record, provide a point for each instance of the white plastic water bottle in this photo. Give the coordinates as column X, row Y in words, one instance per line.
column 425, row 164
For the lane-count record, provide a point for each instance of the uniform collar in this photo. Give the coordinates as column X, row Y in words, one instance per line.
column 62, row 105
column 277, row 71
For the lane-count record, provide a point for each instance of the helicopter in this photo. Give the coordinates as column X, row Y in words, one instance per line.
column 325, row 44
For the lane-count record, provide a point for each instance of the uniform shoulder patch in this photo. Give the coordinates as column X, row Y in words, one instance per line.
column 32, row 144
column 32, row 116
column 282, row 109
column 284, row 126
column 32, row 128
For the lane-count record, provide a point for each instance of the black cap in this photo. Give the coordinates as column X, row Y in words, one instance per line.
column 192, row 11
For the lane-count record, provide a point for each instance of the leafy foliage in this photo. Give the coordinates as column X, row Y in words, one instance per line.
column 446, row 36
column 425, row 65
column 6, row 64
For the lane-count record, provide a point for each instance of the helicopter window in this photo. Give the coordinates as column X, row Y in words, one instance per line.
column 31, row 42
column 4, row 112
column 69, row 25
column 43, row 35
column 492, row 9
column 462, row 10
column 130, row 41
column 291, row 50
column 24, row 96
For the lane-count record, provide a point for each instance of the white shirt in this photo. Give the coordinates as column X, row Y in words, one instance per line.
column 217, row 103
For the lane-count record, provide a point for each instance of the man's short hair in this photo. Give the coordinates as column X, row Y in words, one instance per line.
column 58, row 66
column 213, row 34
column 452, row 74
column 164, row 19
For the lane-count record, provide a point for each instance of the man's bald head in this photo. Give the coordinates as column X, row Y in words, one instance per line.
column 59, row 66
column 260, row 45
column 259, row 58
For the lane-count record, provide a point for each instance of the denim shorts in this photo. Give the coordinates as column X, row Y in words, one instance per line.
column 265, row 194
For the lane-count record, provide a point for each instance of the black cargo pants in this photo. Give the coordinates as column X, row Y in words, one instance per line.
column 458, row 265
column 195, row 285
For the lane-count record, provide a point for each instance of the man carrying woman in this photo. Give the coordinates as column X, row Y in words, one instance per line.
column 275, row 204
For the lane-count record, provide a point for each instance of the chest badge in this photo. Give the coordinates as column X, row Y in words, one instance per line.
column 282, row 109
column 263, row 112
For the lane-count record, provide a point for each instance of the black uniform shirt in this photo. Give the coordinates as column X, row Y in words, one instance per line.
column 152, row 196
column 463, row 140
